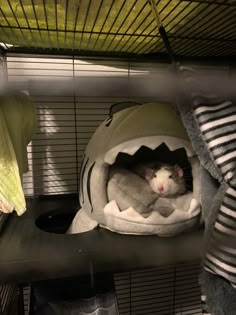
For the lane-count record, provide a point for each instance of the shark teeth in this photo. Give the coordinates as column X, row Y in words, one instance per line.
column 132, row 146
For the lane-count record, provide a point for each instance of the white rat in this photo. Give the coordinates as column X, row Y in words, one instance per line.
column 166, row 180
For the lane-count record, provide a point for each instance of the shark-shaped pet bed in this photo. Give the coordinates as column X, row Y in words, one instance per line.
column 114, row 197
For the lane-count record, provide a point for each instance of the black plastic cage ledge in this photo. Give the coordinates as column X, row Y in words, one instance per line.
column 196, row 28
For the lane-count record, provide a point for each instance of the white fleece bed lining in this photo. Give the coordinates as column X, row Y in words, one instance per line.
column 131, row 222
column 155, row 218
column 186, row 209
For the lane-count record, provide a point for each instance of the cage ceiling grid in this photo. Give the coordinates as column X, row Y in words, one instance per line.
column 196, row 28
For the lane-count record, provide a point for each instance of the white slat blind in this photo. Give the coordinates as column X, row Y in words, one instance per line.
column 72, row 97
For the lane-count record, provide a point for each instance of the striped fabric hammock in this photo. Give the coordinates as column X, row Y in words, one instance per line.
column 215, row 122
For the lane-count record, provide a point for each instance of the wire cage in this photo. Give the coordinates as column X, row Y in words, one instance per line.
column 107, row 39
column 8, row 299
column 195, row 28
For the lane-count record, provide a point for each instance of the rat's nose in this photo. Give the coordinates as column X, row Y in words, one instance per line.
column 160, row 188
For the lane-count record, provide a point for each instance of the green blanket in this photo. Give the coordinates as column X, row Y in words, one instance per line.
column 17, row 124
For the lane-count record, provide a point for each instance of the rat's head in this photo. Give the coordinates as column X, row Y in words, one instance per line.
column 166, row 180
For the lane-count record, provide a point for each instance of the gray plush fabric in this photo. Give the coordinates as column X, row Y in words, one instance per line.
column 221, row 297
column 129, row 189
column 196, row 139
column 203, row 155
column 213, row 211
column 209, row 188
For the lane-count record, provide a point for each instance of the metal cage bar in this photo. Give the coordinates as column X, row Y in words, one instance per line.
column 94, row 23
column 17, row 22
column 120, row 28
column 46, row 20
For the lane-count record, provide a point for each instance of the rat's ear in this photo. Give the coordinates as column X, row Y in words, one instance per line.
column 149, row 173
column 179, row 170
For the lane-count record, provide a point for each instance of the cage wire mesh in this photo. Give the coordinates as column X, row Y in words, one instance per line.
column 168, row 290
column 8, row 299
column 119, row 27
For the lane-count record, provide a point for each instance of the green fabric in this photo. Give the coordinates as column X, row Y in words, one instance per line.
column 17, row 124
column 20, row 118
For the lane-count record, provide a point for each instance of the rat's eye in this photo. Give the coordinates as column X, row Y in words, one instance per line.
column 170, row 176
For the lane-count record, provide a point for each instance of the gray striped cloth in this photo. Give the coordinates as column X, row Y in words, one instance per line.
column 217, row 123
column 216, row 120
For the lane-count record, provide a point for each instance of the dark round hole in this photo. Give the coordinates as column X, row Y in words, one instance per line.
column 55, row 221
